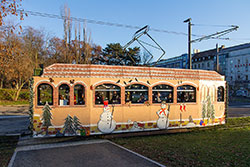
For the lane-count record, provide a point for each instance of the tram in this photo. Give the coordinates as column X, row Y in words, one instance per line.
column 104, row 99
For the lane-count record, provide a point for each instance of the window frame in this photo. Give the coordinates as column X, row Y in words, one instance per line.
column 84, row 93
column 136, row 90
column 154, row 90
column 223, row 91
column 69, row 94
column 195, row 93
column 38, row 92
column 107, row 83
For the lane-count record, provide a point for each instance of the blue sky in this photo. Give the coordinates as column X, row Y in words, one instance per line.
column 161, row 14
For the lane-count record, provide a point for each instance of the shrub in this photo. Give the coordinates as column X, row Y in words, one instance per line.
column 5, row 94
column 24, row 95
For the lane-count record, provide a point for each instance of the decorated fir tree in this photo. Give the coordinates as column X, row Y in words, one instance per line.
column 68, row 125
column 209, row 109
column 212, row 113
column 47, row 116
column 204, row 111
column 76, row 124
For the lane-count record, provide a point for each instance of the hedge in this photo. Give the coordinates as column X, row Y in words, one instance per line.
column 5, row 94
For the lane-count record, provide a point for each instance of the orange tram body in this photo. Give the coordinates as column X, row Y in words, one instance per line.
column 115, row 99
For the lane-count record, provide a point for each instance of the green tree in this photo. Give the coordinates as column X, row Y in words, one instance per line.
column 46, row 117
column 135, row 54
column 114, row 54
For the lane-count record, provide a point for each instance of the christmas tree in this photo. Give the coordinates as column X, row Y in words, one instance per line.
column 212, row 113
column 68, row 125
column 209, row 109
column 76, row 123
column 203, row 110
column 47, row 116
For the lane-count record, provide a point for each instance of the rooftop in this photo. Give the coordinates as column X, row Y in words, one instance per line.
column 107, row 71
column 212, row 52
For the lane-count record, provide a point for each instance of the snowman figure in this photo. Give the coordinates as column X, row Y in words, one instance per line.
column 163, row 113
column 106, row 124
column 136, row 127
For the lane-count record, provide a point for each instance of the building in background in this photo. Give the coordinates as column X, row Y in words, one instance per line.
column 234, row 63
column 206, row 60
column 238, row 68
column 181, row 61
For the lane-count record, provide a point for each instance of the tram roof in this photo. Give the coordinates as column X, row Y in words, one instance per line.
column 110, row 71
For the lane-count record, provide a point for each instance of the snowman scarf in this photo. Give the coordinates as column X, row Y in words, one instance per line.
column 163, row 111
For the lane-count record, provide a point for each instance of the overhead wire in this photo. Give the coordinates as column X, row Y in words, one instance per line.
column 106, row 23
column 212, row 25
column 33, row 13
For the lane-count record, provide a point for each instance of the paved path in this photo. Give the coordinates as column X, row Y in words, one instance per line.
column 14, row 110
column 87, row 153
column 239, row 111
column 14, row 120
column 14, row 125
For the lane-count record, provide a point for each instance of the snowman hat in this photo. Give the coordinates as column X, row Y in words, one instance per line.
column 106, row 102
column 163, row 102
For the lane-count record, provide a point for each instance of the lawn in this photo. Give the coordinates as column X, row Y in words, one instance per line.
column 7, row 148
column 13, row 103
column 220, row 146
column 225, row 145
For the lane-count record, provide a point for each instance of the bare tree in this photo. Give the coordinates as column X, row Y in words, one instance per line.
column 87, row 49
column 18, row 63
column 79, row 43
column 7, row 8
column 65, row 28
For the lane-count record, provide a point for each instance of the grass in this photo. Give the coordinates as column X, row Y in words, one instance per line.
column 7, row 148
column 225, row 145
column 12, row 103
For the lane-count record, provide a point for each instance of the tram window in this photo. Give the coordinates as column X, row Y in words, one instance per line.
column 220, row 94
column 162, row 93
column 136, row 93
column 79, row 95
column 45, row 94
column 109, row 92
column 186, row 93
column 64, row 95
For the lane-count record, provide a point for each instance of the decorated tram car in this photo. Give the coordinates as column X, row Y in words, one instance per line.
column 72, row 99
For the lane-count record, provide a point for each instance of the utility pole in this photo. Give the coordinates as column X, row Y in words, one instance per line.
column 216, row 35
column 217, row 58
column 189, row 41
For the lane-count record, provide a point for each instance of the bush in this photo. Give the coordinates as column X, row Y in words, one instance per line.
column 5, row 94
column 24, row 95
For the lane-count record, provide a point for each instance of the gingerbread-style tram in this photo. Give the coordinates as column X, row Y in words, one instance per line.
column 102, row 99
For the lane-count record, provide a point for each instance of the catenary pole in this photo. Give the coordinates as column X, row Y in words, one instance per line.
column 217, row 58
column 189, row 41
